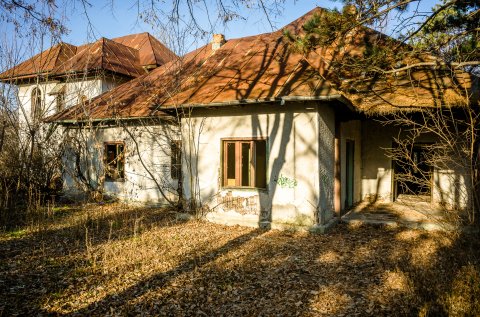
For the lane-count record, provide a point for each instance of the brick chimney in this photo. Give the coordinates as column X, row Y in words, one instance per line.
column 218, row 41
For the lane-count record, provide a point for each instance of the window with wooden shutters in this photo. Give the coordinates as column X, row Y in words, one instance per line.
column 245, row 163
column 114, row 158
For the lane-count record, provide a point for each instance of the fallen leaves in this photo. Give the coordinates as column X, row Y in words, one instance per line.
column 120, row 261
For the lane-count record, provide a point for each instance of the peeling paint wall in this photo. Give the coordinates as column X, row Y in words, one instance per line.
column 292, row 193
column 74, row 90
column 139, row 184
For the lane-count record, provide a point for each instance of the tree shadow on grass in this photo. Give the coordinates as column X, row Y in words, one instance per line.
column 36, row 264
column 364, row 270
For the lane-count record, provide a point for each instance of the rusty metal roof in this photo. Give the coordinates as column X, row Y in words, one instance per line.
column 104, row 54
column 257, row 68
column 264, row 68
column 125, row 55
column 41, row 63
column 151, row 51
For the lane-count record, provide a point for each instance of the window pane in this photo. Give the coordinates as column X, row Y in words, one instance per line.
column 230, row 164
column 245, row 168
column 114, row 161
column 120, row 160
column 261, row 164
column 36, row 104
column 175, row 159
column 111, row 153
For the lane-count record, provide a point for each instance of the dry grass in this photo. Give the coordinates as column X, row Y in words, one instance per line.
column 114, row 260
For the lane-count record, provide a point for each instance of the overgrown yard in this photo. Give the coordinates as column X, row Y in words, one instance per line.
column 113, row 260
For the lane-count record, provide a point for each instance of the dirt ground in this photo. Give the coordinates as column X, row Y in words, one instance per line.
column 114, row 260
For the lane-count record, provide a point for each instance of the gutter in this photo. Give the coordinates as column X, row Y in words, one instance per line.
column 281, row 100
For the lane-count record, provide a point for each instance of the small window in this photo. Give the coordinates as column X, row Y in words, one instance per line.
column 175, row 159
column 36, row 102
column 114, row 158
column 245, row 163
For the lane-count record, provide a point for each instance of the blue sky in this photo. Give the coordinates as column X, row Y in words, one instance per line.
column 122, row 19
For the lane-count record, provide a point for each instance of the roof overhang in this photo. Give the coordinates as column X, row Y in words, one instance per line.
column 281, row 100
column 162, row 112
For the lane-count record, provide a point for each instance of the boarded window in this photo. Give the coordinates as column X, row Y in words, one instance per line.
column 175, row 159
column 36, row 100
column 245, row 163
column 114, row 157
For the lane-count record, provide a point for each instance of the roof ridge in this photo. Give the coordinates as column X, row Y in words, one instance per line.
column 133, row 50
column 149, row 36
column 121, row 44
column 132, row 34
column 102, row 63
column 57, row 53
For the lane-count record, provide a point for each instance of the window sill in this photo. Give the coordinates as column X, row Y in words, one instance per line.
column 118, row 180
column 246, row 189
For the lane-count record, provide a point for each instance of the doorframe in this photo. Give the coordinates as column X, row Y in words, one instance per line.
column 349, row 190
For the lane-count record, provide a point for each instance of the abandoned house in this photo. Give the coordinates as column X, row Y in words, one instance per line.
column 255, row 132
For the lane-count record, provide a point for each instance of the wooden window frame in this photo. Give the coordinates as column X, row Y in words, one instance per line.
column 252, row 141
column 176, row 159
column 121, row 172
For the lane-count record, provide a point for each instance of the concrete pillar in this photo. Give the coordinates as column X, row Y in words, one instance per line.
column 338, row 178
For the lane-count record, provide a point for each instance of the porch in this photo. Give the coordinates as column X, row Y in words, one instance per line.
column 411, row 211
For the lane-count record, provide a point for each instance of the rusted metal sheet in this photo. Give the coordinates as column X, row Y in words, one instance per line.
column 265, row 68
column 41, row 63
column 104, row 54
column 254, row 68
column 150, row 50
column 125, row 55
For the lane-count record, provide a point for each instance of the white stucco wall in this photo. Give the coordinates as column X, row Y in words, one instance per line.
column 74, row 89
column 377, row 168
column 451, row 188
column 146, row 169
column 449, row 184
column 291, row 130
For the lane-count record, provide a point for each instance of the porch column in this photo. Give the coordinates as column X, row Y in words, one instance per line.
column 338, row 178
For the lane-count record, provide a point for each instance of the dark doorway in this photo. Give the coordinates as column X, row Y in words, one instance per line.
column 413, row 174
column 349, row 173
